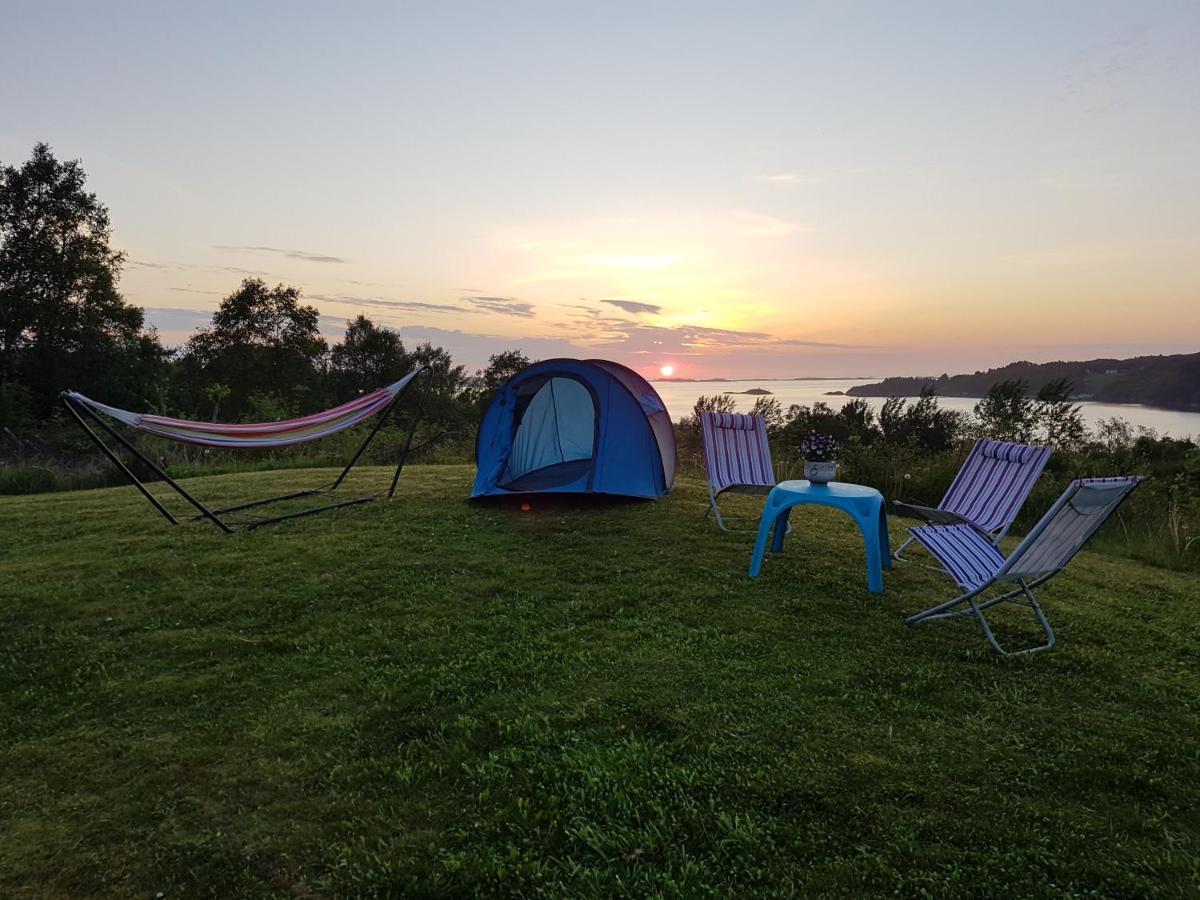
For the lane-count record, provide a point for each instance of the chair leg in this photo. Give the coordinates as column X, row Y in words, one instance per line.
column 946, row 611
column 941, row 611
column 898, row 556
column 715, row 510
column 1037, row 611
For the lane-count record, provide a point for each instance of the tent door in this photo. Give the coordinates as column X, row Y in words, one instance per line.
column 555, row 438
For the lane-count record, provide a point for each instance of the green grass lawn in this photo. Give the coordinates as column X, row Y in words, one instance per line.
column 431, row 698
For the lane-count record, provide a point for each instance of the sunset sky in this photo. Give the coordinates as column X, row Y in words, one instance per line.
column 734, row 189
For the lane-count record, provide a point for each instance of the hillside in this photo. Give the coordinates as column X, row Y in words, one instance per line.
column 425, row 697
column 1170, row 382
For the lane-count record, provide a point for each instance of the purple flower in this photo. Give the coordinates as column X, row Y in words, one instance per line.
column 816, row 446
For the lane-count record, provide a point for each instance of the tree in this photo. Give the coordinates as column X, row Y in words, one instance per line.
column 924, row 425
column 445, row 402
column 717, row 403
column 859, row 421
column 367, row 358
column 891, row 419
column 63, row 322
column 501, row 367
column 262, row 341
column 1060, row 419
column 216, row 392
column 771, row 411
column 1007, row 412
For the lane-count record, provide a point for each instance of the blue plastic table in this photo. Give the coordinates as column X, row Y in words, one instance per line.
column 864, row 505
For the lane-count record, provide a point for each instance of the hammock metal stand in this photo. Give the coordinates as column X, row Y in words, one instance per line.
column 79, row 411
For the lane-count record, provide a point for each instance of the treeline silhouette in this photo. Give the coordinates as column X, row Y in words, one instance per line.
column 1171, row 382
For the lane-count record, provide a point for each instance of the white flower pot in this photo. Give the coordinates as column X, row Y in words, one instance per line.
column 820, row 472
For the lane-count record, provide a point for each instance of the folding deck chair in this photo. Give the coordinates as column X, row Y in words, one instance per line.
column 737, row 457
column 987, row 493
column 974, row 562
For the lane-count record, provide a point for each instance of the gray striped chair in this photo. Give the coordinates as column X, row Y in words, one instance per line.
column 973, row 561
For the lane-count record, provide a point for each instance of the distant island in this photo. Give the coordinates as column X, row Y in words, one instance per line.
column 1169, row 382
column 757, row 391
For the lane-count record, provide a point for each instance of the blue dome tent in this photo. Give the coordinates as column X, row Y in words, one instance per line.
column 575, row 426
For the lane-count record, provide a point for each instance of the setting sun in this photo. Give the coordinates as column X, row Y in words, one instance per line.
column 667, row 371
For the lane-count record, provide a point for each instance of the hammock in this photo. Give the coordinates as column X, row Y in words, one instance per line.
column 244, row 436
column 262, row 434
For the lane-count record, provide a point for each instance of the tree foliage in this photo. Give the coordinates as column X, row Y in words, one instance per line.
column 501, row 367
column 1059, row 417
column 771, row 411
column 63, row 323
column 263, row 341
column 924, row 425
column 367, row 358
column 1009, row 413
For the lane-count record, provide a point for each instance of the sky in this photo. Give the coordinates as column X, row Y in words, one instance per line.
column 735, row 190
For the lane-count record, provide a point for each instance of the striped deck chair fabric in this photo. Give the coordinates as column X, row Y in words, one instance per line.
column 977, row 566
column 988, row 491
column 737, row 456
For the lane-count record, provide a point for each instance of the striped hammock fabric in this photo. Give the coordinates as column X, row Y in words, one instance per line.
column 256, row 435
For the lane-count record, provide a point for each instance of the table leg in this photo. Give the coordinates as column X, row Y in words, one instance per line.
column 885, row 543
column 874, row 566
column 760, row 543
column 868, row 524
column 781, row 527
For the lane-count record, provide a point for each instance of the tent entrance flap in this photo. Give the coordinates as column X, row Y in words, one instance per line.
column 555, row 437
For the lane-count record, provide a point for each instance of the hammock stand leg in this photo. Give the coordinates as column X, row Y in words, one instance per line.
column 137, row 482
column 253, row 503
column 329, row 489
column 362, row 448
column 412, row 429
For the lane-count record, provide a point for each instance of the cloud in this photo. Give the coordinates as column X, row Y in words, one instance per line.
column 628, row 336
column 303, row 255
column 505, row 306
column 473, row 349
column 756, row 225
column 635, row 306
column 175, row 325
column 191, row 290
column 193, row 267
column 1101, row 75
column 409, row 305
column 787, row 179
column 238, row 270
